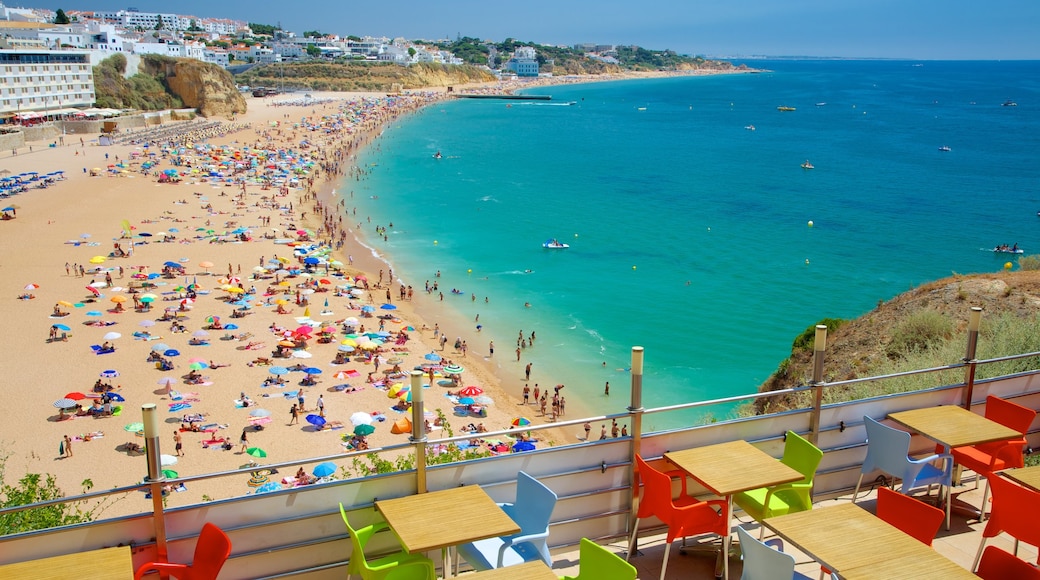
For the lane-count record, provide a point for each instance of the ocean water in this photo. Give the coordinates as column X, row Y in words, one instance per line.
column 689, row 233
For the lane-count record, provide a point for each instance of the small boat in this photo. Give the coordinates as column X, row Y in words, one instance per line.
column 1006, row 249
column 749, row 127
column 807, row 165
column 554, row 244
column 782, row 108
column 438, row 155
column 1009, row 103
column 944, row 148
column 821, row 104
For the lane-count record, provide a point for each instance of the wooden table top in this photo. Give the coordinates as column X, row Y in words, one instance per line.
column 853, row 542
column 439, row 519
column 1027, row 476
column 732, row 467
column 953, row 426
column 103, row 564
column 536, row 570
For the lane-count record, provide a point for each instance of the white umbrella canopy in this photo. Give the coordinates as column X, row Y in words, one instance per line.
column 112, row 335
column 165, row 460
column 361, row 418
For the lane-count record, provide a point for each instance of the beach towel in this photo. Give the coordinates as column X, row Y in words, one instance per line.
column 174, row 407
column 352, row 373
column 259, row 420
column 97, row 349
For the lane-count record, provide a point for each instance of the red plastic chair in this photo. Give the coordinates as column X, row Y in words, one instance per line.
column 684, row 516
column 211, row 551
column 912, row 516
column 985, row 459
column 1016, row 510
column 997, row 564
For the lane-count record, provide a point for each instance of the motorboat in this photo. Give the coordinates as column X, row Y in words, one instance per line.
column 944, row 148
column 554, row 244
column 807, row 165
column 1006, row 249
column 438, row 155
column 749, row 127
column 782, row 108
column 1009, row 103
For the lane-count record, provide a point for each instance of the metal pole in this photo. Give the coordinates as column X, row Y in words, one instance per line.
column 150, row 417
column 418, row 437
column 635, row 411
column 974, row 321
column 819, row 354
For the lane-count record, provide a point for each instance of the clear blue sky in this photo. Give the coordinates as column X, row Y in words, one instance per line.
column 916, row 29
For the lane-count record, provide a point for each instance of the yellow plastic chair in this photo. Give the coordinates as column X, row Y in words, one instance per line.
column 598, row 563
column 785, row 498
column 400, row 565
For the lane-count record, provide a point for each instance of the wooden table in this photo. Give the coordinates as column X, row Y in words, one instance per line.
column 103, row 564
column 536, row 570
column 441, row 519
column 1027, row 476
column 730, row 468
column 953, row 426
column 859, row 546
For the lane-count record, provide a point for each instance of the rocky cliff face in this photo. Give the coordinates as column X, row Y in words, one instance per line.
column 206, row 87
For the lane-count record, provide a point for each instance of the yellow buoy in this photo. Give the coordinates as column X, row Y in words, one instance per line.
column 1007, row 265
column 633, row 267
column 435, row 242
column 807, row 261
column 810, row 223
column 470, row 271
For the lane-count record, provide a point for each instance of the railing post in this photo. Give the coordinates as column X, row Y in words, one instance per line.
column 150, row 417
column 418, row 437
column 974, row 321
column 635, row 411
column 819, row 354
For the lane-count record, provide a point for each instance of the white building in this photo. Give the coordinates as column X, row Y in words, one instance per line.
column 42, row 80
column 524, row 62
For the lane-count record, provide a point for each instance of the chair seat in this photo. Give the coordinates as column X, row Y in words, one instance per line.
column 754, row 503
column 977, row 460
column 394, row 560
column 483, row 554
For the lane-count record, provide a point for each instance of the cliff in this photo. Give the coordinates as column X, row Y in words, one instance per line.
column 206, row 87
column 384, row 77
column 167, row 83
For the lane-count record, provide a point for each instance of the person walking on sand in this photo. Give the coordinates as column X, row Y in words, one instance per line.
column 178, row 445
column 527, row 393
column 294, row 415
column 321, row 406
column 518, row 354
column 588, row 430
column 602, row 432
column 527, row 372
column 244, row 441
column 491, row 348
column 67, row 447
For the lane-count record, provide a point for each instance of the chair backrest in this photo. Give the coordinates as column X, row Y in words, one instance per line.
column 762, row 562
column 997, row 564
column 1016, row 510
column 887, row 448
column 1008, row 414
column 534, row 505
column 910, row 515
column 211, row 551
column 599, row 563
column 802, row 456
column 358, row 539
column 657, row 492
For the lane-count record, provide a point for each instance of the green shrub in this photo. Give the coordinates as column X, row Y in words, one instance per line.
column 918, row 332
column 1029, row 262
column 807, row 339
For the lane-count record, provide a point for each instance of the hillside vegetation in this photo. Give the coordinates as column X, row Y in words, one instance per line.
column 167, row 83
column 923, row 328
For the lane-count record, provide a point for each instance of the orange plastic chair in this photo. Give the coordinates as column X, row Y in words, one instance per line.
column 1016, row 510
column 997, row 564
column 211, row 551
column 985, row 459
column 910, row 515
column 684, row 516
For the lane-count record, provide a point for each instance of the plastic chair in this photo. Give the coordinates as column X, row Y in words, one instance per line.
column 684, row 516
column 888, row 450
column 767, row 502
column 1016, row 510
column 400, row 565
column 211, row 551
column 598, row 563
column 532, row 511
column 997, row 564
column 985, row 459
column 762, row 562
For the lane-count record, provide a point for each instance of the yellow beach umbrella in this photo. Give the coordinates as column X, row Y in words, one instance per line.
column 65, row 303
column 283, row 283
column 348, row 342
column 235, row 290
column 98, row 260
column 281, row 301
column 118, row 298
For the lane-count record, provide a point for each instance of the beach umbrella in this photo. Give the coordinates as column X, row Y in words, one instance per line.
column 200, row 333
column 112, row 335
column 171, row 352
column 523, row 446
column 520, row 422
column 98, row 260
column 367, row 308
column 166, row 460
column 363, row 430
column 432, row 357
column 466, row 401
column 100, row 284
column 109, row 374
column 256, row 452
column 205, row 265
column 316, row 420
column 345, row 348
column 301, row 354
column 454, row 369
column 278, row 371
column 360, row 418
column 118, row 299
column 65, row 403
column 134, row 428
column 470, row 391
column 93, row 291
column 197, row 366
column 351, row 321
column 324, row 469
column 75, row 396
column 170, row 474
column 61, row 327
column 146, row 323
column 286, row 343
column 65, row 303
column 231, row 326
column 268, row 488
column 32, row 287
column 312, row 371
column 167, row 381
column 116, row 397
column 340, row 375
column 395, row 389
column 388, row 307
column 259, row 413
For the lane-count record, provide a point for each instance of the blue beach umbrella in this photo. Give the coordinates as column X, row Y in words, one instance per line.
column 109, row 374
column 278, row 371
column 95, row 313
column 523, row 446
column 324, row 469
column 171, row 352
column 345, row 348
column 367, row 308
column 312, row 371
column 432, row 357
column 61, row 327
column 268, row 487
column 316, row 420
column 388, row 307
column 466, row 401
column 116, row 397
column 161, row 347
column 231, row 326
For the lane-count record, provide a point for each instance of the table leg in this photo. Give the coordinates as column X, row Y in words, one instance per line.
column 726, row 541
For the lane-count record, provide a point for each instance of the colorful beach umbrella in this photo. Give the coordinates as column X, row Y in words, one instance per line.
column 324, row 469
column 454, row 369
column 65, row 403
column 520, row 422
column 363, row 430
column 470, row 391
column 75, row 396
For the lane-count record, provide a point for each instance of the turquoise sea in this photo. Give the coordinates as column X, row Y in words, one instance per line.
column 689, row 233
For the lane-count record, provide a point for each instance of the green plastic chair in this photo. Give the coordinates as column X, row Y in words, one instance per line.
column 598, row 563
column 767, row 502
column 399, row 565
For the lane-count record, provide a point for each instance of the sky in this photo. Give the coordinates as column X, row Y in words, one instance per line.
column 913, row 29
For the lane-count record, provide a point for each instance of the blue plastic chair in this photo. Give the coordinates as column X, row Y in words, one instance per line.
column 888, row 450
column 532, row 510
column 762, row 562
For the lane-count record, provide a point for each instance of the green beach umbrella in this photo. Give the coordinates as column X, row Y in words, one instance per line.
column 256, row 452
column 362, row 430
column 170, row 474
